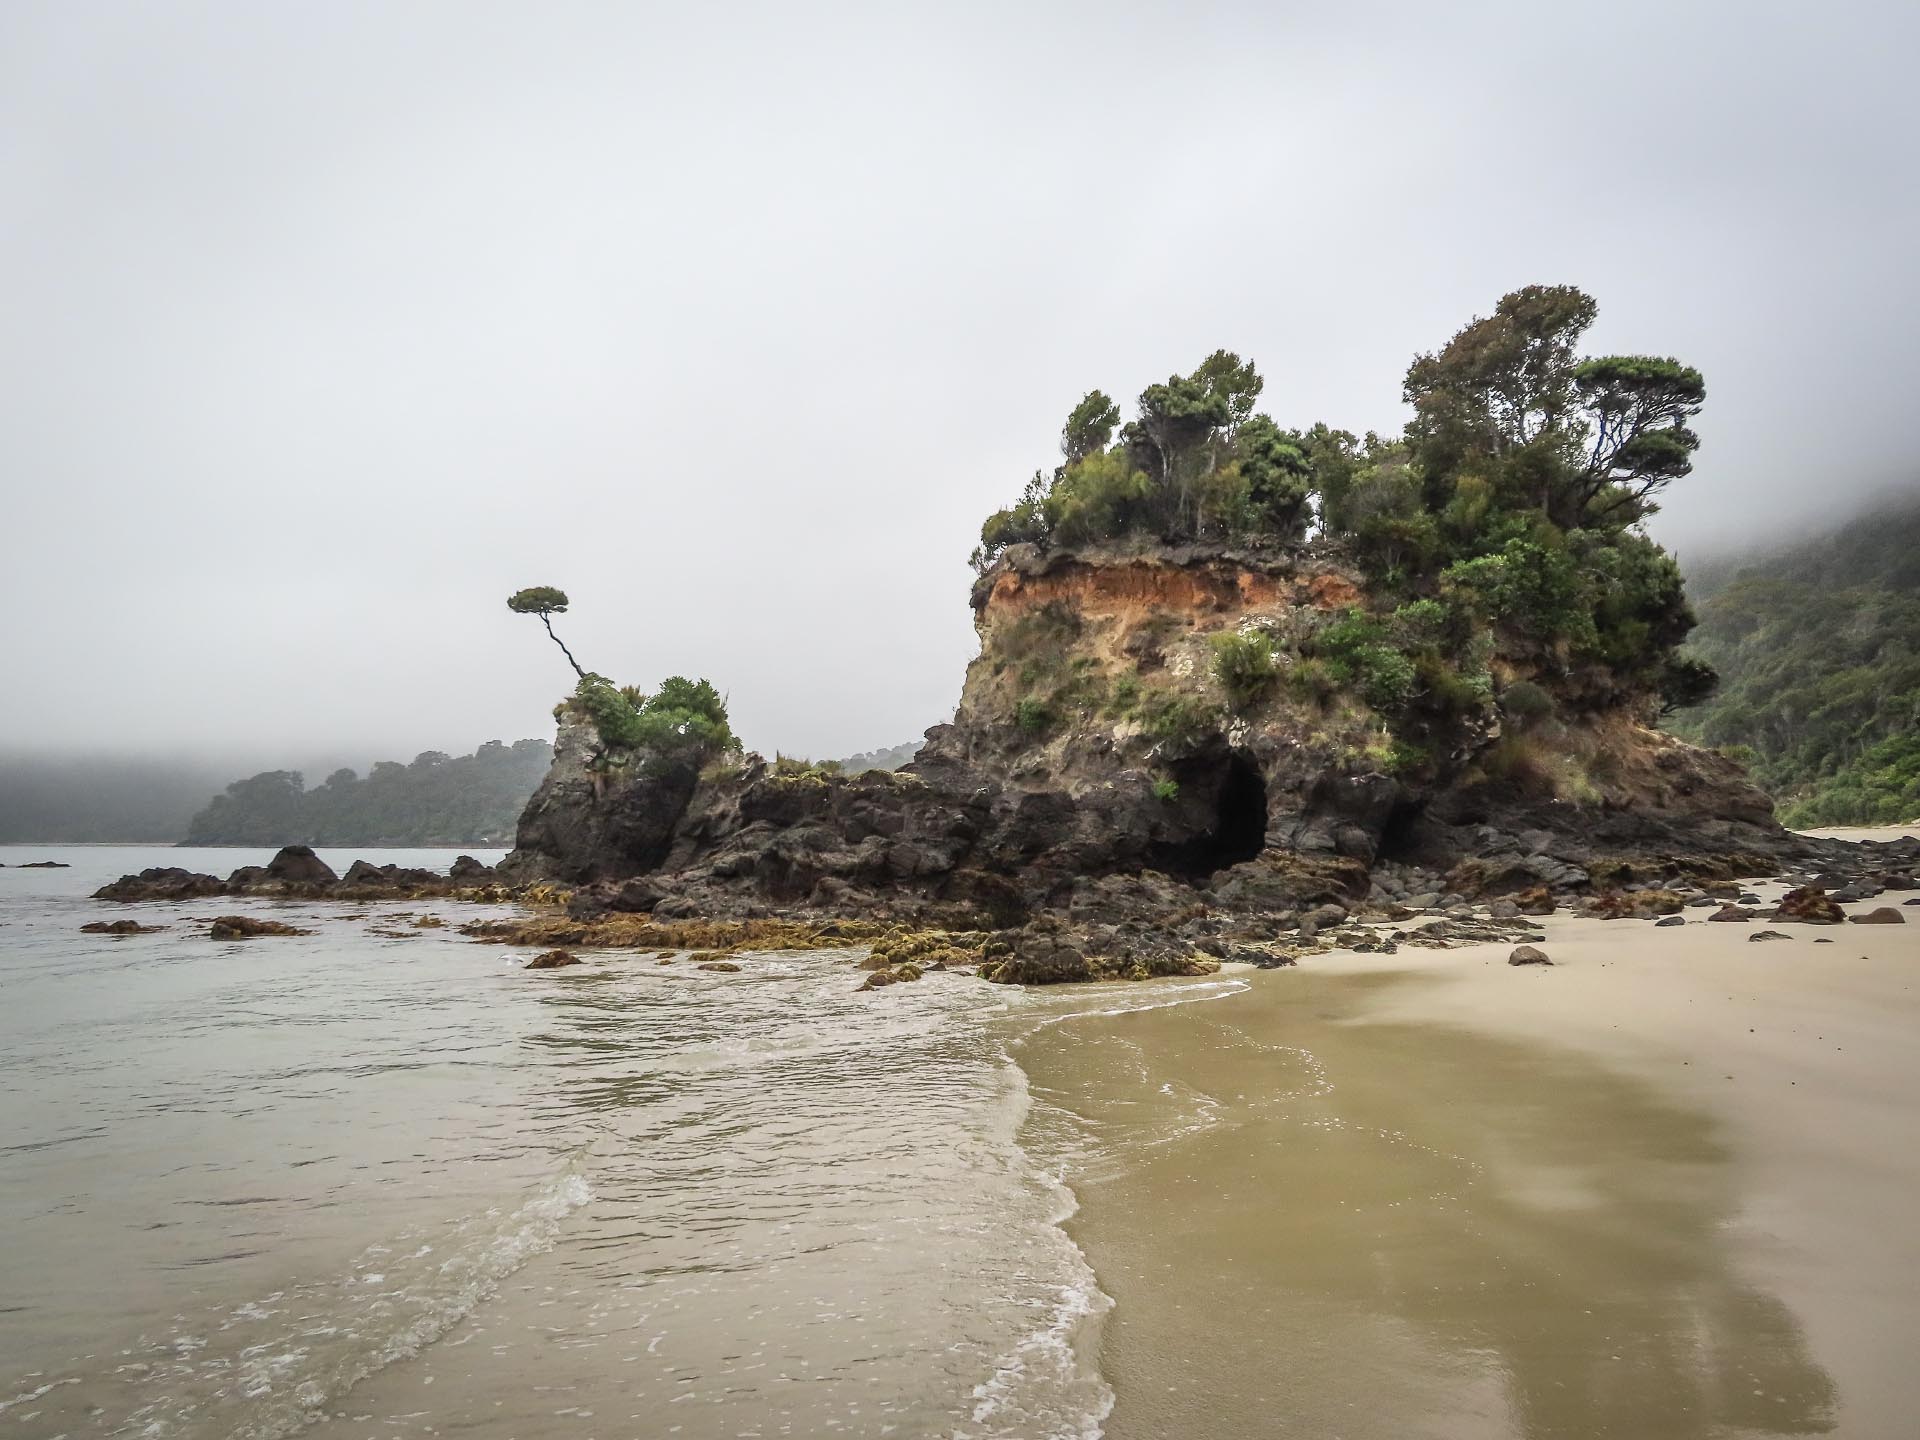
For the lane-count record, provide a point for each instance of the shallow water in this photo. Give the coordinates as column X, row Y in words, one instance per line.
column 351, row 1185
column 389, row 1185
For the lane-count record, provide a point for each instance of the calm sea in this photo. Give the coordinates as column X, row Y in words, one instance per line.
column 381, row 1185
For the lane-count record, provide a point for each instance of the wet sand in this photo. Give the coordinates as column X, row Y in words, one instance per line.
column 1662, row 1189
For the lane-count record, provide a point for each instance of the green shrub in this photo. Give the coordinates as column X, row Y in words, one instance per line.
column 684, row 719
column 1525, row 704
column 1313, row 680
column 1166, row 791
column 1034, row 717
column 1175, row 719
column 1243, row 663
column 1124, row 697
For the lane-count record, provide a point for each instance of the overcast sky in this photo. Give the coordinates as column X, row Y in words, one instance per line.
column 324, row 327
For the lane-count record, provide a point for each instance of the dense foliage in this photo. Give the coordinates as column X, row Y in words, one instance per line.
column 436, row 800
column 1819, row 648
column 1506, row 516
column 684, row 720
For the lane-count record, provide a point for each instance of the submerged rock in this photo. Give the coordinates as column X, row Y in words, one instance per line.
column 120, row 927
column 552, row 960
column 245, row 927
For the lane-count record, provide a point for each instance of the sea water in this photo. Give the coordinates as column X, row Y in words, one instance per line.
column 381, row 1180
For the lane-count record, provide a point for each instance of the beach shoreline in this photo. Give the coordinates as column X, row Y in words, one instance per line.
column 1660, row 1187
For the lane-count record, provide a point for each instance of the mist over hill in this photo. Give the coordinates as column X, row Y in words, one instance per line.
column 1818, row 648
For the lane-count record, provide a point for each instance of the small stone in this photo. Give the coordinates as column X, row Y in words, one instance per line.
column 1767, row 935
column 1663, row 923
column 1528, row 955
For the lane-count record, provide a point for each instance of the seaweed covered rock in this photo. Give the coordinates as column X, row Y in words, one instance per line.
column 246, row 927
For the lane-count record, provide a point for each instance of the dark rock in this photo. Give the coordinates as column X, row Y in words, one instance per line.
column 1885, row 915
column 1767, row 935
column 1667, row 920
column 466, row 868
column 1528, row 955
column 725, row 966
column 45, row 865
column 1732, row 913
column 552, row 960
column 298, row 865
column 245, row 927
column 168, row 882
column 120, row 927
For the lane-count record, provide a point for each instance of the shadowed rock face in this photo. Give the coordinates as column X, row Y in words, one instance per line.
column 1096, row 774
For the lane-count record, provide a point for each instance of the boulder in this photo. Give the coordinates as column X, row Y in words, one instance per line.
column 1767, row 935
column 1808, row 905
column 552, row 960
column 298, row 865
column 245, row 927
column 1885, row 915
column 1731, row 913
column 1528, row 955
column 1667, row 920
column 466, row 868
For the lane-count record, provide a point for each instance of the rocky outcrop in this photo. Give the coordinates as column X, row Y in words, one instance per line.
column 296, row 873
column 1105, row 804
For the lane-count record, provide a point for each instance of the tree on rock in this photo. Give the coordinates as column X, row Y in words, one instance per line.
column 546, row 602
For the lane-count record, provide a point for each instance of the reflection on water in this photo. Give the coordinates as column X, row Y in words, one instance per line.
column 1318, row 1228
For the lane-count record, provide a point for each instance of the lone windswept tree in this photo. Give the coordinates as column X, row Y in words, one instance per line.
column 546, row 602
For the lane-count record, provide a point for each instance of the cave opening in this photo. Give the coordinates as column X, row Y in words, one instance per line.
column 1224, row 798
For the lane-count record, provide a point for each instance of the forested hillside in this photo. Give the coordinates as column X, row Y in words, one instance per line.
column 1818, row 649
column 436, row 800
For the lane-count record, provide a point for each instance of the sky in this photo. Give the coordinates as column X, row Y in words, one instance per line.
column 325, row 327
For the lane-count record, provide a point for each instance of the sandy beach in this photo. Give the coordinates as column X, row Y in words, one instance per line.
column 1662, row 1188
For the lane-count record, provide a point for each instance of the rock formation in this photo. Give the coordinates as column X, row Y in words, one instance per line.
column 1102, row 792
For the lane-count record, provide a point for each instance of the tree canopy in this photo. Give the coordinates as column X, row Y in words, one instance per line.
column 546, row 602
column 1514, row 494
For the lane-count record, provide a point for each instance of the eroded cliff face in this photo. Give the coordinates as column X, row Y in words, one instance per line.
column 1099, row 775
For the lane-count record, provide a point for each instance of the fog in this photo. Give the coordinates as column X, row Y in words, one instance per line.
column 326, row 327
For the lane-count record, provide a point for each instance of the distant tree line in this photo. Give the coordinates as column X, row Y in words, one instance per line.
column 435, row 800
